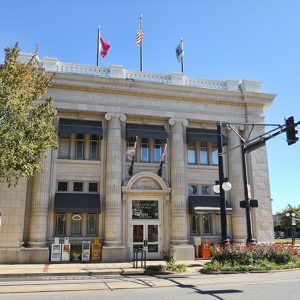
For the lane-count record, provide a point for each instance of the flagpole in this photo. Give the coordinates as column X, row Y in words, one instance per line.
column 141, row 46
column 182, row 55
column 98, row 41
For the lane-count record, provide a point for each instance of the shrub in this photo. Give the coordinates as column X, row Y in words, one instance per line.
column 250, row 254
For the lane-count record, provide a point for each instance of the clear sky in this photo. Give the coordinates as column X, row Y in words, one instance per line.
column 242, row 39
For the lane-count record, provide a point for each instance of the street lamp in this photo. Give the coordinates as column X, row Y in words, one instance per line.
column 293, row 224
column 226, row 186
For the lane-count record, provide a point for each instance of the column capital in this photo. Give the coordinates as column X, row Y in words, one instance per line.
column 184, row 122
column 109, row 116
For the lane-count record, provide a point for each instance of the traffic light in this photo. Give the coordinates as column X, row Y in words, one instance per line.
column 291, row 131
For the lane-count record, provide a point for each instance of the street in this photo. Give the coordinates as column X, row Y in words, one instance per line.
column 277, row 285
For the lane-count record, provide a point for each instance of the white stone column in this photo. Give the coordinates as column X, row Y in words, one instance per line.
column 113, row 196
column 235, row 174
column 178, row 182
column 40, row 204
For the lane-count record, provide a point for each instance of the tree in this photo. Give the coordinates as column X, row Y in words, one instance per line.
column 26, row 120
column 285, row 221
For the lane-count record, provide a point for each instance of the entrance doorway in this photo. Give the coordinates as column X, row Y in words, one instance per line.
column 145, row 227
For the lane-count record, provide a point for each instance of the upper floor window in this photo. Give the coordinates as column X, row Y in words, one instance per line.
column 149, row 141
column 203, row 153
column 93, row 187
column 94, row 147
column 144, row 149
column 64, row 145
column 62, row 186
column 79, row 139
column 193, row 189
column 214, row 155
column 206, row 190
column 78, row 187
column 191, row 153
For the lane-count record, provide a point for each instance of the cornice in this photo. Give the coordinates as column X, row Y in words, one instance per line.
column 139, row 94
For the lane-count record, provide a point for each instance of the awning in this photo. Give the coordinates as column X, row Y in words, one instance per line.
column 80, row 126
column 205, row 135
column 77, row 203
column 146, row 131
column 205, row 204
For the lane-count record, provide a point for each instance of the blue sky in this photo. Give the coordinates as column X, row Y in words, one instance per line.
column 242, row 39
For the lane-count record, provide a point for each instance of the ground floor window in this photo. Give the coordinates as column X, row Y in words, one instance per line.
column 60, row 224
column 91, row 223
column 206, row 223
column 76, row 224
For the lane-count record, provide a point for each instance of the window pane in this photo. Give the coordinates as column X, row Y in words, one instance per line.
column 157, row 150
column 193, row 190
column 191, row 154
column 79, row 149
column 193, row 224
column 64, row 147
column 207, row 225
column 145, row 150
column 76, row 224
column 203, row 154
column 62, row 186
column 206, row 190
column 93, row 187
column 214, row 156
column 60, row 224
column 91, row 224
column 94, row 150
column 78, row 187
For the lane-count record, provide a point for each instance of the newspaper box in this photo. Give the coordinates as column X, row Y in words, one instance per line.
column 205, row 250
column 86, row 251
column 96, row 250
column 65, row 251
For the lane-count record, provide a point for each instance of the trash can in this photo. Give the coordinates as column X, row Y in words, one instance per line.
column 197, row 243
column 205, row 249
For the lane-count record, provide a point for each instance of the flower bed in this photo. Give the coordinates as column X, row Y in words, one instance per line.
column 239, row 257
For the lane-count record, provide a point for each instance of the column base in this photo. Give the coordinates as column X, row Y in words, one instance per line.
column 38, row 244
column 184, row 252
column 113, row 253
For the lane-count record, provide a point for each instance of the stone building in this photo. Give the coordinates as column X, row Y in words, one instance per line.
column 87, row 190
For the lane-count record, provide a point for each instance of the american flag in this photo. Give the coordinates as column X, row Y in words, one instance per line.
column 139, row 37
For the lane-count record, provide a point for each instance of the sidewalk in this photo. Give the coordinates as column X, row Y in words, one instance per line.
column 86, row 269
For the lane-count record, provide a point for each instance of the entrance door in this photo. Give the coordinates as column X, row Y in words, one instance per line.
column 146, row 236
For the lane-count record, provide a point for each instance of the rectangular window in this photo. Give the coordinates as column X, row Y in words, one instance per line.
column 206, row 190
column 193, row 189
column 93, row 187
column 64, row 146
column 214, row 156
column 62, row 186
column 193, row 224
column 91, row 223
column 76, row 224
column 60, row 224
column 79, row 146
column 145, row 149
column 191, row 154
column 203, row 154
column 157, row 150
column 218, row 223
column 207, row 223
column 78, row 187
column 94, row 147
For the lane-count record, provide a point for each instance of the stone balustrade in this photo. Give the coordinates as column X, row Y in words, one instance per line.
column 117, row 71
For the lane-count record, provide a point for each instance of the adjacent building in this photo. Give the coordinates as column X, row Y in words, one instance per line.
column 161, row 198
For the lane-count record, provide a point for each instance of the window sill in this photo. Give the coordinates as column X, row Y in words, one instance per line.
column 77, row 161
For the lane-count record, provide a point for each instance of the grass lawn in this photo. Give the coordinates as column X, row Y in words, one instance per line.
column 287, row 240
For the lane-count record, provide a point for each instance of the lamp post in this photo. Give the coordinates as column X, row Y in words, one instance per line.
column 293, row 224
column 223, row 182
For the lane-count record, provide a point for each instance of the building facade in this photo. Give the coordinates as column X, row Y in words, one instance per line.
column 93, row 186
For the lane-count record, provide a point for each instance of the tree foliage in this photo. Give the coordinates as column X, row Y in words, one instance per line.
column 285, row 221
column 26, row 120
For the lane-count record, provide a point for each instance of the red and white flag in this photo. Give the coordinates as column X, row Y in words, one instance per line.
column 139, row 37
column 103, row 47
